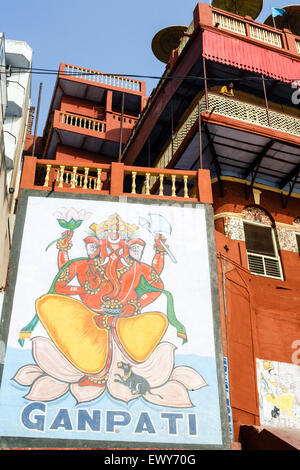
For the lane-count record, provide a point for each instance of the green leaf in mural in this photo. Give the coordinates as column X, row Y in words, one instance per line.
column 145, row 287
column 70, row 225
column 63, row 223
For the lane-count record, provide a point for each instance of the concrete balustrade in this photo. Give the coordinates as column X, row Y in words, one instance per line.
column 82, row 122
column 116, row 179
column 170, row 183
column 102, row 78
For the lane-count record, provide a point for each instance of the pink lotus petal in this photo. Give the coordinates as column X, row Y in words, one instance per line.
column 53, row 362
column 83, row 214
column 158, row 367
column 58, row 215
column 74, row 214
column 188, row 377
column 172, row 394
column 46, row 388
column 117, row 389
column 27, row 375
column 62, row 213
column 86, row 393
column 71, row 214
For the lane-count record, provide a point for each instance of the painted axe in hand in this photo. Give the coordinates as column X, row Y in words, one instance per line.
column 158, row 224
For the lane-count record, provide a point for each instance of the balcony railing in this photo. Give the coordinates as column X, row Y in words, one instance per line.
column 71, row 177
column 174, row 183
column 247, row 28
column 179, row 137
column 115, row 179
column 229, row 23
column 239, row 27
column 253, row 114
column 264, row 35
column 101, row 78
column 233, row 108
column 82, row 122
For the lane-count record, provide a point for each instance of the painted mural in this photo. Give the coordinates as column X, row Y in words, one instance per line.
column 112, row 326
column 279, row 393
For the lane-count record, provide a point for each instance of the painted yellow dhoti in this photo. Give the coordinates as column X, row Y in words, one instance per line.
column 70, row 325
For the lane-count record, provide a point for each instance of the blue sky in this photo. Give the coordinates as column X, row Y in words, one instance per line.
column 113, row 37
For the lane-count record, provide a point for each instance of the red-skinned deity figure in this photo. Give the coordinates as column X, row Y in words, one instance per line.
column 98, row 311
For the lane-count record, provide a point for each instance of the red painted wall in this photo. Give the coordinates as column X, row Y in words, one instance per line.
column 68, row 154
column 82, row 108
column 259, row 315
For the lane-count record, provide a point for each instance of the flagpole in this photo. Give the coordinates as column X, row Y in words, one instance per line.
column 273, row 18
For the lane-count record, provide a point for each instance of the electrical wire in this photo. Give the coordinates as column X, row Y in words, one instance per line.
column 41, row 71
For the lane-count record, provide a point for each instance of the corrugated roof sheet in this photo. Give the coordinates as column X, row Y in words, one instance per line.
column 243, row 55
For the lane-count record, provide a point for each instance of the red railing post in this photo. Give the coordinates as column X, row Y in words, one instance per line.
column 116, row 179
column 204, row 187
column 290, row 40
column 202, row 16
column 62, row 68
column 28, row 172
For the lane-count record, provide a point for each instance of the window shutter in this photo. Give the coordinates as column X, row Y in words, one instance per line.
column 259, row 239
column 261, row 251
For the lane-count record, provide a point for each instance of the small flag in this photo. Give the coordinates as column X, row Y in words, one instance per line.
column 278, row 12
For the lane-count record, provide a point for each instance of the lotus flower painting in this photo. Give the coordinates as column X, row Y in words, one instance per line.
column 112, row 326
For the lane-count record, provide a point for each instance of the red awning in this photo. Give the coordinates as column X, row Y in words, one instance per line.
column 241, row 54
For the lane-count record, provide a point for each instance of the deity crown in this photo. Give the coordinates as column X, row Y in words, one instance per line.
column 114, row 224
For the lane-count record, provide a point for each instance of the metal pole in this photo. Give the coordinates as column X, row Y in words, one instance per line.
column 37, row 119
column 148, row 151
column 266, row 101
column 121, row 128
column 200, row 135
column 172, row 128
column 205, row 83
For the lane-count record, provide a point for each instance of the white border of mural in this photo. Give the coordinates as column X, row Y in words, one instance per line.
column 185, row 368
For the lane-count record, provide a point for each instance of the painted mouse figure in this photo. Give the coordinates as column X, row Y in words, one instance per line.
column 138, row 385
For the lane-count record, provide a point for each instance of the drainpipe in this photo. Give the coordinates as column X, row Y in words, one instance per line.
column 205, row 83
column 200, row 135
column 121, row 128
column 37, row 119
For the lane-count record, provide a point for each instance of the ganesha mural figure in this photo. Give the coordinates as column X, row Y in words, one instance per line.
column 110, row 339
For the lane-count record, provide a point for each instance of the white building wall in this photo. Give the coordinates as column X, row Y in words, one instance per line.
column 15, row 58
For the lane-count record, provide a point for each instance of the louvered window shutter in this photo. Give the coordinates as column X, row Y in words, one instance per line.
column 263, row 259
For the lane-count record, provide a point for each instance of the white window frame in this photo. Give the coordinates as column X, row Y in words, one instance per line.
column 265, row 257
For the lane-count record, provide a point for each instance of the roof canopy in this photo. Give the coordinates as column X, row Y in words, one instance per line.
column 243, row 55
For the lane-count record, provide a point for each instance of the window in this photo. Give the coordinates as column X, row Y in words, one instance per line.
column 262, row 252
